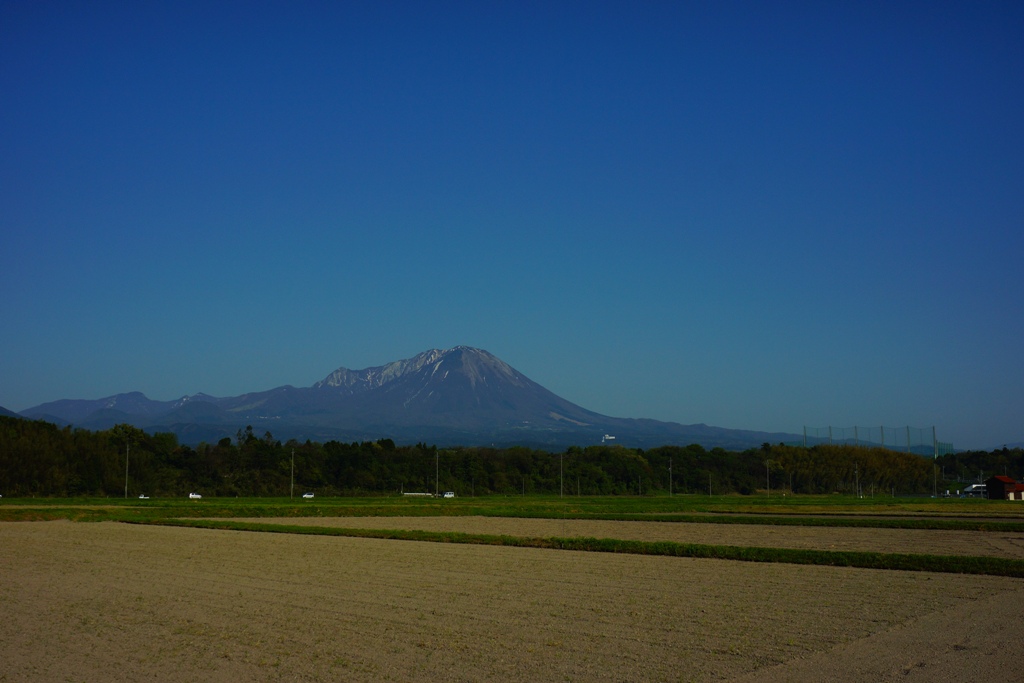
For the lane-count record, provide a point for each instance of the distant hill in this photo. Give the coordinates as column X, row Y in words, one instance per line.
column 8, row 413
column 457, row 396
column 1011, row 446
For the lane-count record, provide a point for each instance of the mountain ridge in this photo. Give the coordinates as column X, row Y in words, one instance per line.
column 457, row 396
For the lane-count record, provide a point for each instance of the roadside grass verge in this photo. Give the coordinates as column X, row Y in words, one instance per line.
column 953, row 564
column 906, row 516
column 48, row 514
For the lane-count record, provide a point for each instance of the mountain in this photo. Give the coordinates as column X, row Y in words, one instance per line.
column 8, row 413
column 457, row 396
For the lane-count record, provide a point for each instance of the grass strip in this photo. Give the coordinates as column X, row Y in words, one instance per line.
column 953, row 564
column 555, row 513
column 872, row 523
column 74, row 514
column 157, row 511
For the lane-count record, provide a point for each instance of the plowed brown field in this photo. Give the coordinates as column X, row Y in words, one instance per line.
column 924, row 541
column 107, row 601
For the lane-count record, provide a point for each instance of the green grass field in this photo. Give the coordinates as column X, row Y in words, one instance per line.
column 834, row 510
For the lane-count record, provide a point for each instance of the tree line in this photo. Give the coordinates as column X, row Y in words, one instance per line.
column 41, row 459
column 974, row 467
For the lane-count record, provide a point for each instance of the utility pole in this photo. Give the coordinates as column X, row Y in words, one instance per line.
column 768, row 476
column 561, row 480
column 437, row 473
column 127, row 448
column 292, row 494
column 670, row 476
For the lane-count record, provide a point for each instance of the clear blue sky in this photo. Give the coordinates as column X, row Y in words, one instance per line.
column 753, row 215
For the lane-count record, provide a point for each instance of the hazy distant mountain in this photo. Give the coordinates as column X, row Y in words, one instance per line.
column 455, row 396
column 8, row 413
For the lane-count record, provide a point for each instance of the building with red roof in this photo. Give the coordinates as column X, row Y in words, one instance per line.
column 1004, row 488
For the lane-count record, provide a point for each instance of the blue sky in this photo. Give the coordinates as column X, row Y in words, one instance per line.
column 753, row 215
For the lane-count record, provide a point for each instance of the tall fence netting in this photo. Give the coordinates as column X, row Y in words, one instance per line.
column 920, row 440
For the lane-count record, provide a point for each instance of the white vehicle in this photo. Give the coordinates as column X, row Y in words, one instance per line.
column 194, row 496
column 449, row 494
column 307, row 495
column 142, row 496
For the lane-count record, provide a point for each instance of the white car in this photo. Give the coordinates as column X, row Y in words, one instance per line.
column 307, row 495
column 449, row 494
column 194, row 496
column 143, row 496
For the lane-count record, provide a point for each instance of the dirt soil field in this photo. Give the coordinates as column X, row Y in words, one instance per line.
column 925, row 541
column 108, row 602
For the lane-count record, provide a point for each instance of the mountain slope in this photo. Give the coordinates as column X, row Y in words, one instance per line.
column 74, row 411
column 8, row 413
column 454, row 396
column 462, row 387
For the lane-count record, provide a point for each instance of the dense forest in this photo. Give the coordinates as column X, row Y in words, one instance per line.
column 40, row 459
